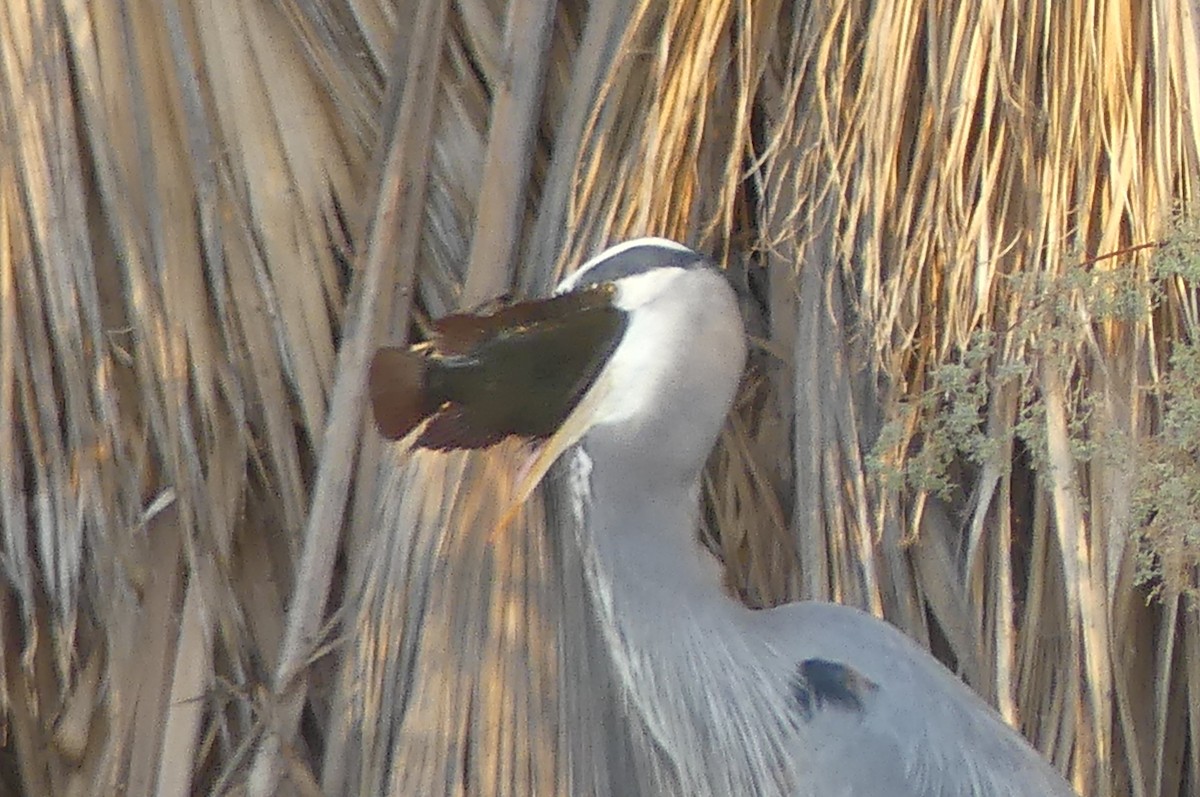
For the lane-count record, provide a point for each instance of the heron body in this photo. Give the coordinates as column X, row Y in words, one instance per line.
column 804, row 699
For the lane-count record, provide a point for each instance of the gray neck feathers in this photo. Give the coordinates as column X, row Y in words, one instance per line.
column 703, row 685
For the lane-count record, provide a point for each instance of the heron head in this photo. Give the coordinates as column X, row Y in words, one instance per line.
column 669, row 381
column 640, row 349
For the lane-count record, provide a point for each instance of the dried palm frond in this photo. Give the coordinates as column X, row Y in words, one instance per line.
column 213, row 577
column 170, row 330
column 938, row 196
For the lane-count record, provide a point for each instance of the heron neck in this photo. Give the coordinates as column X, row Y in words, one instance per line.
column 698, row 673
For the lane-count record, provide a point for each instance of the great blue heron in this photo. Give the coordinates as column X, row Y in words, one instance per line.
column 628, row 373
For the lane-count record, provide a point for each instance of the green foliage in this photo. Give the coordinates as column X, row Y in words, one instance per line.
column 1167, row 496
column 1166, row 499
column 1180, row 257
column 951, row 418
column 944, row 427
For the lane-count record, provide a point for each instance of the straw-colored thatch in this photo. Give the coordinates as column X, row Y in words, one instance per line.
column 972, row 408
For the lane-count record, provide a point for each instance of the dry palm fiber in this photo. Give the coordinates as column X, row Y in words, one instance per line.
column 183, row 190
column 169, row 337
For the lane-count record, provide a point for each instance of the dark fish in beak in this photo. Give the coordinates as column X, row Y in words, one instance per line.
column 518, row 371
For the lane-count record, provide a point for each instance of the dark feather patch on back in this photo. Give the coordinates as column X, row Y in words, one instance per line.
column 818, row 683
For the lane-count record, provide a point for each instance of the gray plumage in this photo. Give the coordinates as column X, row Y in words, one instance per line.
column 804, row 699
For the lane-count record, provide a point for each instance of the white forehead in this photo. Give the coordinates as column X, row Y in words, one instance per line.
column 636, row 258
